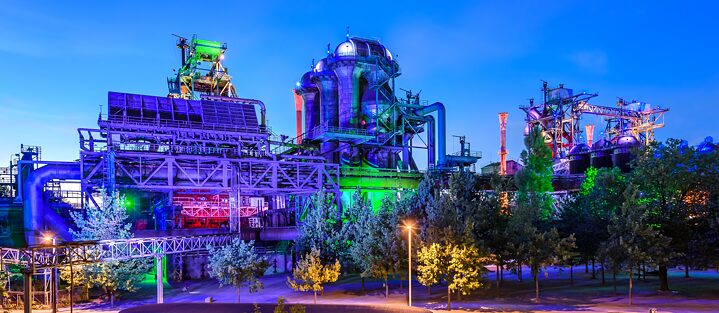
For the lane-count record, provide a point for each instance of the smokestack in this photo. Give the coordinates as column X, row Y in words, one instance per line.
column 503, row 143
column 590, row 134
column 298, row 115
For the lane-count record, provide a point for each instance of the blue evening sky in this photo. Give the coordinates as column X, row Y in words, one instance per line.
column 479, row 58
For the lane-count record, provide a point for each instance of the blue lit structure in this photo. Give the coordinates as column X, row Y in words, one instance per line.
column 352, row 115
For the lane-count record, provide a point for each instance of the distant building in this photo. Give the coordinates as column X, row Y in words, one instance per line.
column 512, row 168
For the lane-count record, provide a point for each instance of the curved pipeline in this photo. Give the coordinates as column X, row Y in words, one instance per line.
column 441, row 128
column 36, row 214
column 263, row 114
column 431, row 141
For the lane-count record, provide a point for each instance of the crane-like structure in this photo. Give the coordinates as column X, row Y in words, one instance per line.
column 559, row 115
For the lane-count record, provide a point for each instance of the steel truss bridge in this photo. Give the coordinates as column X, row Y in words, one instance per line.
column 43, row 257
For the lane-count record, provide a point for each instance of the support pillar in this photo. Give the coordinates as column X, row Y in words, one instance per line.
column 160, row 290
column 54, row 289
column 27, row 290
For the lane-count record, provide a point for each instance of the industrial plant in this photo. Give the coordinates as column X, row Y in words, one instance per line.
column 200, row 165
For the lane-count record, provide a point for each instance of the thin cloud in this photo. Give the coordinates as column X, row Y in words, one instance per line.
column 595, row 62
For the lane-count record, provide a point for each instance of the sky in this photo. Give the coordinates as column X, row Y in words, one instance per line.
column 59, row 59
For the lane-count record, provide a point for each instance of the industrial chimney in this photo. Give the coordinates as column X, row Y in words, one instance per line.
column 503, row 143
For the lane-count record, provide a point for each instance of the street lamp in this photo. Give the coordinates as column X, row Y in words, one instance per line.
column 48, row 237
column 409, row 264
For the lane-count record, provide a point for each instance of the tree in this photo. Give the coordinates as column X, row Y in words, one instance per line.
column 465, row 270
column 588, row 215
column 4, row 275
column 311, row 274
column 631, row 233
column 542, row 251
column 667, row 176
column 386, row 249
column 430, row 265
column 109, row 221
column 534, row 181
column 321, row 228
column 356, row 232
column 237, row 264
column 566, row 255
column 461, row 266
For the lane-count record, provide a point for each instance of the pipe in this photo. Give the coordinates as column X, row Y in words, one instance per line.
column 35, row 214
column 441, row 128
column 263, row 114
column 431, row 141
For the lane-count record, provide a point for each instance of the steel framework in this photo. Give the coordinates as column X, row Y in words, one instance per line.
column 559, row 114
column 38, row 259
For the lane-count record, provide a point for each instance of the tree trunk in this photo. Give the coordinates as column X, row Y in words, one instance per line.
column 571, row 275
column 604, row 282
column 449, row 296
column 362, row 284
column 594, row 273
column 614, row 280
column 631, row 274
column 663, row 278
column 112, row 299
column 239, row 289
column 536, row 285
column 429, row 289
column 686, row 267
column 519, row 272
column 496, row 275
column 501, row 275
column 586, row 267
column 386, row 287
column 644, row 272
column 315, row 296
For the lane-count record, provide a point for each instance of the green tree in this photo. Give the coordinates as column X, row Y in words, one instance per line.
column 386, row 248
column 631, row 233
column 237, row 264
column 356, row 231
column 534, row 181
column 109, row 221
column 321, row 228
column 668, row 177
column 311, row 273
column 588, row 214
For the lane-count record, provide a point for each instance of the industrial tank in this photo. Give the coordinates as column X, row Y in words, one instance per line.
column 601, row 154
column 622, row 152
column 579, row 159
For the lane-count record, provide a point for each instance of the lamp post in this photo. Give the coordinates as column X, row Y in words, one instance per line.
column 53, row 274
column 409, row 264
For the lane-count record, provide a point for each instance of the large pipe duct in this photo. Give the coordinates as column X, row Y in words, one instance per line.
column 441, row 128
column 431, row 141
column 36, row 215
